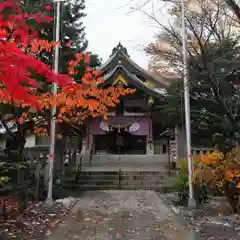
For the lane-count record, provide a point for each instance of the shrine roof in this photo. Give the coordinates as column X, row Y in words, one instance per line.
column 120, row 56
column 134, row 80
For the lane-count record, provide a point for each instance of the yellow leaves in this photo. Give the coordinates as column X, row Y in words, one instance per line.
column 183, row 165
column 148, row 84
column 211, row 158
column 216, row 169
column 237, row 174
column 195, row 173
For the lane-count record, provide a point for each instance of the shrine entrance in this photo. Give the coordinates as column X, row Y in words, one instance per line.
column 120, row 142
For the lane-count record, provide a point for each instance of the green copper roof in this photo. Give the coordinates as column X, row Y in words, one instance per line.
column 120, row 56
column 135, row 81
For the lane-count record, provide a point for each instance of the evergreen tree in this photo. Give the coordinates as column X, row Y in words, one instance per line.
column 72, row 31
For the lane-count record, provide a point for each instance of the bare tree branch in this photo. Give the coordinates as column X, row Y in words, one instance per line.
column 235, row 7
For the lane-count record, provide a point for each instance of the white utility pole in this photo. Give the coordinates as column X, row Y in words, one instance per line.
column 49, row 199
column 191, row 199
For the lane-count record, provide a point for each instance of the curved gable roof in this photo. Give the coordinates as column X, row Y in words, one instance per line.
column 136, row 82
column 121, row 52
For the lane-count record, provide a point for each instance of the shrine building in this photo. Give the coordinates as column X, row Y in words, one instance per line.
column 130, row 128
column 130, row 133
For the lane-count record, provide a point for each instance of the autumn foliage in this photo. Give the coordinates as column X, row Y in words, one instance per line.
column 221, row 172
column 20, row 48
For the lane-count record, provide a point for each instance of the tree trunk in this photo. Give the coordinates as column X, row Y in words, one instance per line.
column 232, row 197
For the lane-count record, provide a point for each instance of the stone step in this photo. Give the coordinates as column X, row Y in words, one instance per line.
column 131, row 176
column 122, row 187
column 108, row 167
column 126, row 180
column 145, row 187
column 97, row 163
column 124, row 166
column 97, row 169
column 133, row 160
column 145, row 173
column 97, row 187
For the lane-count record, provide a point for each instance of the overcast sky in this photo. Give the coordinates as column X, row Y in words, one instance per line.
column 109, row 21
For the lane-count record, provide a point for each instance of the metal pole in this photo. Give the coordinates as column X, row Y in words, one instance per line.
column 191, row 199
column 49, row 199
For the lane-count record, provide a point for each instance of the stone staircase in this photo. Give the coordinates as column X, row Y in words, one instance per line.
column 119, row 180
column 108, row 162
column 123, row 172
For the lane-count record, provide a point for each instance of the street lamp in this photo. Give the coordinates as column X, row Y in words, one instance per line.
column 49, row 199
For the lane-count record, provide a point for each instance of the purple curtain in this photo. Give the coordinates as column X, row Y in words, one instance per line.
column 145, row 128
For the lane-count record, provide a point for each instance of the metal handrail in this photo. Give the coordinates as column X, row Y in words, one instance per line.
column 81, row 163
column 91, row 154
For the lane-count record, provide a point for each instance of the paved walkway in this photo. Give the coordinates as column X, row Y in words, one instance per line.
column 126, row 215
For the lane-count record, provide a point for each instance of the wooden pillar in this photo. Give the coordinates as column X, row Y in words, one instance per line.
column 149, row 139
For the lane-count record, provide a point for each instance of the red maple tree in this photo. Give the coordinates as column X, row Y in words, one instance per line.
column 19, row 44
column 19, row 63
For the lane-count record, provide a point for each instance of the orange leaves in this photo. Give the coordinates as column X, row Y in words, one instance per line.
column 72, row 65
column 216, row 169
column 87, row 99
column 211, row 158
column 228, row 175
column 41, row 131
column 19, row 48
column 79, row 101
column 38, row 45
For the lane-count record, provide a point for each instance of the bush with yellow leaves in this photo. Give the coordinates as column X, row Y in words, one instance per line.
column 222, row 172
column 179, row 184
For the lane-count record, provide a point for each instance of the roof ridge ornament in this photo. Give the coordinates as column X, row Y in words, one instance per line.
column 119, row 48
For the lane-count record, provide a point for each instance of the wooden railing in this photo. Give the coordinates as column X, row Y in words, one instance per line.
column 201, row 150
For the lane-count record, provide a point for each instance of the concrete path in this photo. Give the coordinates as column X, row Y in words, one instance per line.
column 126, row 215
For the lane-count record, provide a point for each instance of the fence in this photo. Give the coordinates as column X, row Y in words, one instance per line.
column 196, row 151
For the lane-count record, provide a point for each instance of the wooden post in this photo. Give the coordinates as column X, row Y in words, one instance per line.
column 119, row 178
column 37, row 176
column 169, row 158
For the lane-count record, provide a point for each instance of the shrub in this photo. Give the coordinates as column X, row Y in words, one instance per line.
column 4, row 180
column 180, row 182
column 222, row 172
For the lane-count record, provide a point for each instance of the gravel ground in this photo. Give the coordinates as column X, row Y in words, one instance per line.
column 36, row 221
column 212, row 220
column 127, row 215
